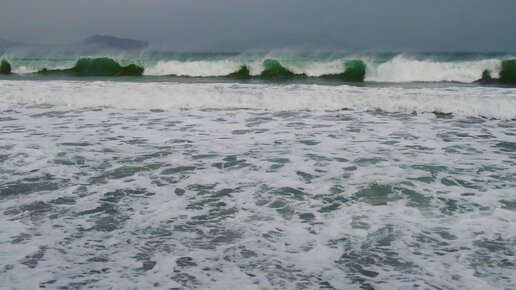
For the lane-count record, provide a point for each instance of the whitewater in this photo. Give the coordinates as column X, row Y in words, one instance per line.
column 379, row 68
column 345, row 172
column 488, row 102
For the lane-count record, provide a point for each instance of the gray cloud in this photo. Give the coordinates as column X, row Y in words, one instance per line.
column 233, row 25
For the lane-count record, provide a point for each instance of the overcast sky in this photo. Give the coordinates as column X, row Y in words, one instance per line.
column 235, row 25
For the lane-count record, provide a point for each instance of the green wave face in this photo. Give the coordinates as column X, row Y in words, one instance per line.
column 491, row 69
column 104, row 67
column 5, row 67
column 98, row 67
column 131, row 70
column 355, row 71
column 242, row 74
column 508, row 72
column 274, row 70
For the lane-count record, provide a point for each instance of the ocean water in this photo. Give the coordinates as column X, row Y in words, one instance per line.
column 381, row 67
column 404, row 181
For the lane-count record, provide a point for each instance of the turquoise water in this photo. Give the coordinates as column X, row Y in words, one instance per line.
column 161, row 182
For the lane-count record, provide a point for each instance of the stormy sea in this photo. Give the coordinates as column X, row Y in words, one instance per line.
column 274, row 170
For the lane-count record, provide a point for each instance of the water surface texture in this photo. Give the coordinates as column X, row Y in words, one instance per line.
column 277, row 170
column 95, row 195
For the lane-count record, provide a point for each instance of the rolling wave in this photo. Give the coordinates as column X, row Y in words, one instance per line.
column 398, row 69
column 97, row 67
column 193, row 68
column 490, row 102
column 402, row 69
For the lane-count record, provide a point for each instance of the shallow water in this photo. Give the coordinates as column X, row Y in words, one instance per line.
column 124, row 198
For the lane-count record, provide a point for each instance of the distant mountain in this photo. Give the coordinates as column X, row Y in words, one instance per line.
column 112, row 42
column 97, row 44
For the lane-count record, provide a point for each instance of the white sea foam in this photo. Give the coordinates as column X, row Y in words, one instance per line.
column 316, row 69
column 28, row 67
column 400, row 69
column 403, row 69
column 202, row 68
column 193, row 68
column 246, row 199
column 458, row 100
column 24, row 69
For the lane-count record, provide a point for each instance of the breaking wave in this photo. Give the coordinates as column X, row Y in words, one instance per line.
column 398, row 69
column 402, row 69
column 491, row 102
column 97, row 67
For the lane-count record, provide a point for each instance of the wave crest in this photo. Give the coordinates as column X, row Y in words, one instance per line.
column 396, row 69
column 402, row 69
column 97, row 67
column 203, row 68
